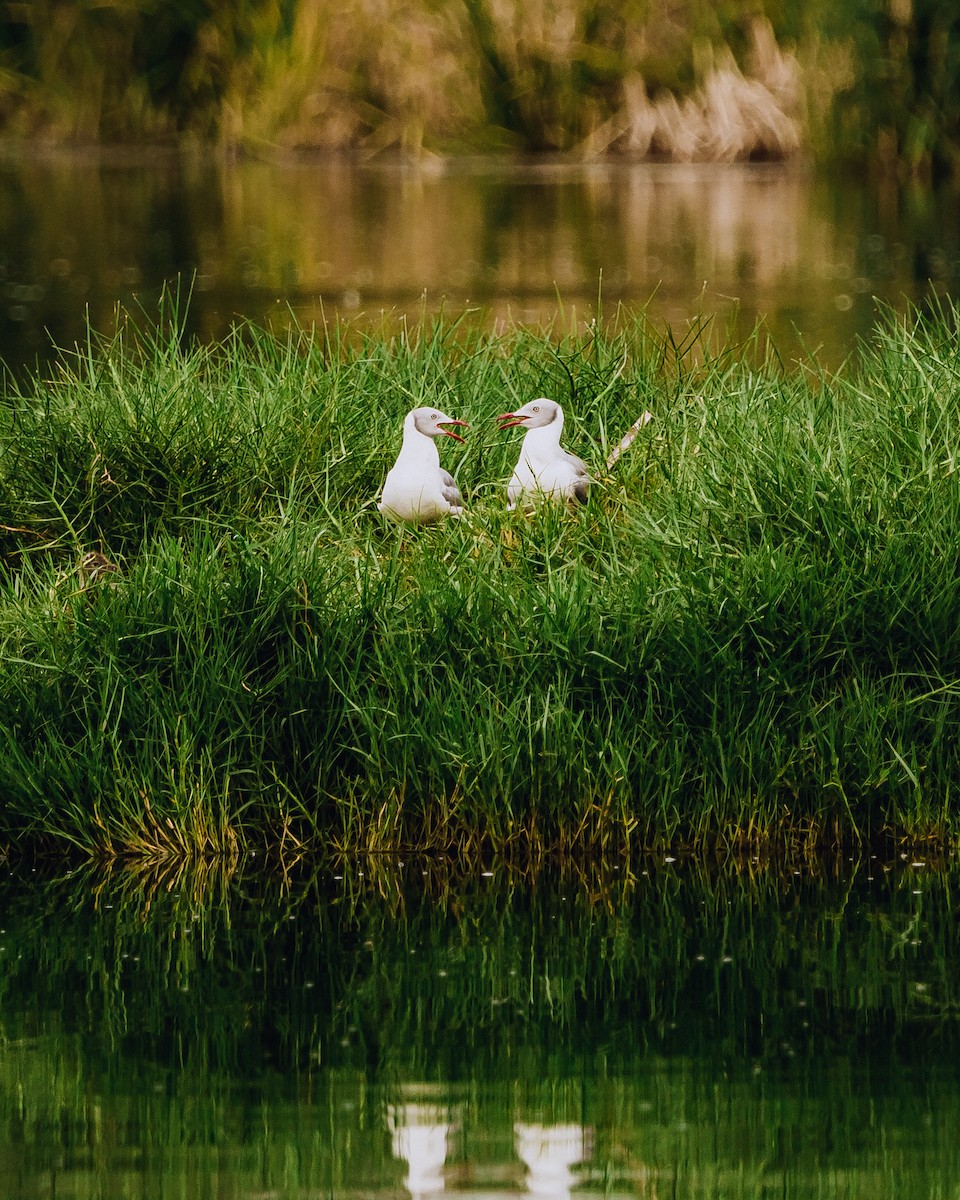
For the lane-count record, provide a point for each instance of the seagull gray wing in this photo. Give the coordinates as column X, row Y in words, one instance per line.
column 581, row 483
column 451, row 493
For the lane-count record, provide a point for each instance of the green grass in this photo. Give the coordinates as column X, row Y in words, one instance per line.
column 749, row 635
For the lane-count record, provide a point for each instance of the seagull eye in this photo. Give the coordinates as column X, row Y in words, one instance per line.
column 536, row 408
column 435, row 417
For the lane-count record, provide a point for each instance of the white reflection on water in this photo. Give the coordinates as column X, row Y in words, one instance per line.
column 550, row 1152
column 419, row 1135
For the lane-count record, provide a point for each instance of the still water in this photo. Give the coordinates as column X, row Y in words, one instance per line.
column 313, row 240
column 381, row 1030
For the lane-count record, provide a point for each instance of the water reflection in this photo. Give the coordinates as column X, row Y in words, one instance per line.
column 420, row 1137
column 315, row 239
column 419, row 1133
column 549, row 1153
column 666, row 1030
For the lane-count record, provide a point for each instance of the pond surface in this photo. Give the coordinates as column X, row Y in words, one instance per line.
column 379, row 1030
column 313, row 240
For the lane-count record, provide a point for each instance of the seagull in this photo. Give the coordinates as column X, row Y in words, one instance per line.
column 417, row 489
column 544, row 466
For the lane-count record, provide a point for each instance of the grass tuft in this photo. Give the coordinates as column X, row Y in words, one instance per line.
column 210, row 642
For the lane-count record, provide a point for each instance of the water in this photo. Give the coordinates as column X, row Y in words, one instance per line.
column 312, row 240
column 384, row 1030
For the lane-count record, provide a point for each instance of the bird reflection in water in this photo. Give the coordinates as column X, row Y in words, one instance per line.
column 550, row 1152
column 419, row 1133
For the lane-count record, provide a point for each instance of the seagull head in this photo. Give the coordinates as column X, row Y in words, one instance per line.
column 534, row 415
column 431, row 422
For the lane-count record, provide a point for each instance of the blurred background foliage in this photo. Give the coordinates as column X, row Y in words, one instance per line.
column 872, row 81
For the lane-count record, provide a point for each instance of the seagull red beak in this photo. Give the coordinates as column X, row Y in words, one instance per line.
column 449, row 432
column 508, row 419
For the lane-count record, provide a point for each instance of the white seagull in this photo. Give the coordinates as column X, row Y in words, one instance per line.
column 544, row 466
column 417, row 489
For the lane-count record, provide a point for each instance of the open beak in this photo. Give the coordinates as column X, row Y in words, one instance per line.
column 449, row 432
column 508, row 419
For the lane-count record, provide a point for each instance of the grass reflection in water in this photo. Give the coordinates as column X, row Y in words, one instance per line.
column 375, row 1028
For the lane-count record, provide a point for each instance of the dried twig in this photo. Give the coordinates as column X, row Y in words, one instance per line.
column 20, row 529
column 624, row 443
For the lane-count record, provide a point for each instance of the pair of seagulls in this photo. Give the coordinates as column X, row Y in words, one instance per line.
column 418, row 490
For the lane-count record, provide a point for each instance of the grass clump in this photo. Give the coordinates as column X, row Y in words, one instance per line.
column 748, row 635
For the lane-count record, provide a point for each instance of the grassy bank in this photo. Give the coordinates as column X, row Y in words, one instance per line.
column 750, row 633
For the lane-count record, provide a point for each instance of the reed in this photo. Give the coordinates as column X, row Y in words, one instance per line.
column 211, row 643
column 874, row 81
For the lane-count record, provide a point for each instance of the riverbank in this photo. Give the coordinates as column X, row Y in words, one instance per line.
column 876, row 84
column 748, row 637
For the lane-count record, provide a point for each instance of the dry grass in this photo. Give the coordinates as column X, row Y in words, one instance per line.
column 678, row 79
column 732, row 116
column 376, row 75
